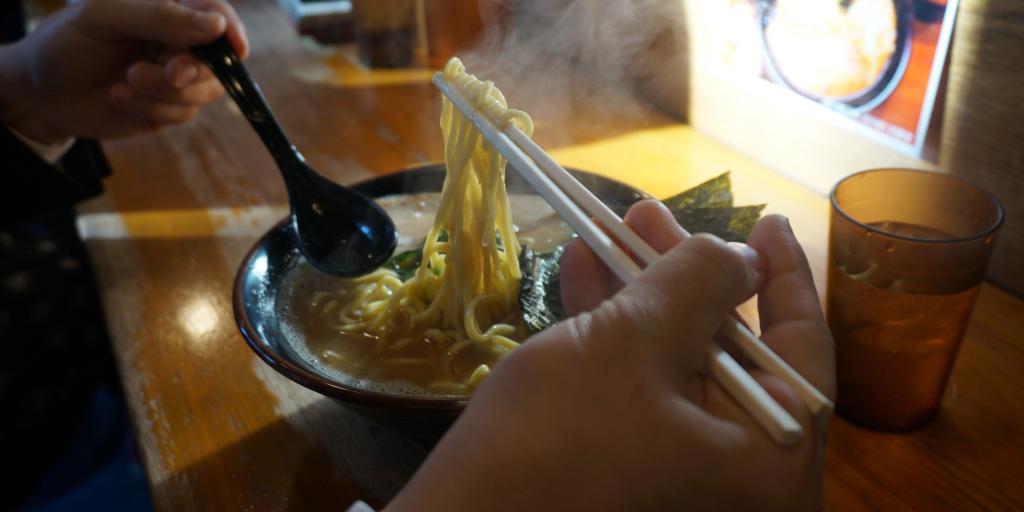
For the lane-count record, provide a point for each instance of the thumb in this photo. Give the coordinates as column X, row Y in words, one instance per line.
column 165, row 22
column 586, row 282
column 674, row 308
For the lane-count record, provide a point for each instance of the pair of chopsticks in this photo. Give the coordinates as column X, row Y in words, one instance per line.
column 577, row 206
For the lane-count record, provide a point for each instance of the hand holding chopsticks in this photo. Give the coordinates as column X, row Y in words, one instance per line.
column 577, row 205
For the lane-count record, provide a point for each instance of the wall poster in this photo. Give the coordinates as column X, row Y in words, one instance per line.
column 877, row 63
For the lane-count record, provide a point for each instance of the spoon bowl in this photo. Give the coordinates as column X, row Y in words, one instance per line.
column 340, row 231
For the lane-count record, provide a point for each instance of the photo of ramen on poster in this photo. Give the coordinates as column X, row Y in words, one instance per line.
column 877, row 62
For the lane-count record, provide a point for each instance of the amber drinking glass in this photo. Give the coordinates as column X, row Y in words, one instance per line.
column 908, row 251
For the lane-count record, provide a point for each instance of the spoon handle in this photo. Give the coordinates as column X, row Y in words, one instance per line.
column 226, row 65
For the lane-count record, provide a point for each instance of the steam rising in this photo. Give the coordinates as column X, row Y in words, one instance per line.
column 584, row 60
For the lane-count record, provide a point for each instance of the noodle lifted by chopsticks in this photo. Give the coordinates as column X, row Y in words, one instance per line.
column 467, row 285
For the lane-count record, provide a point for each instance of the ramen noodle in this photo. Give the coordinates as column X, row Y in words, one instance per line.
column 464, row 293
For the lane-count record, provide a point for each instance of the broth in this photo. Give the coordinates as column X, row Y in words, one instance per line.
column 308, row 311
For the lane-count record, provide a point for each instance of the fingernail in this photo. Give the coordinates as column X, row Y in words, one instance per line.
column 749, row 255
column 208, row 21
column 186, row 74
column 661, row 206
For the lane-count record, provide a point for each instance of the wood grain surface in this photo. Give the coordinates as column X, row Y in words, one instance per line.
column 220, row 430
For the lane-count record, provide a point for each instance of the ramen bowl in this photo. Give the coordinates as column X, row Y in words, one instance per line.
column 273, row 273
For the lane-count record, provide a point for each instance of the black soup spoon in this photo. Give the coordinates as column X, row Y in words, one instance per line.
column 340, row 231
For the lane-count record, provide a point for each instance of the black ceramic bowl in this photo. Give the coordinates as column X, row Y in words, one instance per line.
column 261, row 282
column 866, row 99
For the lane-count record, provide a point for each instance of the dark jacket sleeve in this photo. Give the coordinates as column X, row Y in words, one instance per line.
column 30, row 185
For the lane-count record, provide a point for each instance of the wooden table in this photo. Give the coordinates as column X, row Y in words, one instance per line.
column 220, row 430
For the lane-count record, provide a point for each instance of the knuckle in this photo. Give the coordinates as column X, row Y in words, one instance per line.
column 188, row 114
column 625, row 305
column 640, row 311
column 581, row 326
column 165, row 10
column 535, row 362
column 210, row 93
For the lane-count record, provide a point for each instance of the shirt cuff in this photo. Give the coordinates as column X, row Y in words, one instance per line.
column 51, row 153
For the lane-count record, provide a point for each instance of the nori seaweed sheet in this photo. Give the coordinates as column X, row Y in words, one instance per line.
column 540, row 289
column 706, row 208
column 714, row 193
column 730, row 224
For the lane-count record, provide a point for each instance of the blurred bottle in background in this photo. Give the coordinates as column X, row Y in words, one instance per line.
column 403, row 33
column 454, row 25
column 326, row 21
column 386, row 32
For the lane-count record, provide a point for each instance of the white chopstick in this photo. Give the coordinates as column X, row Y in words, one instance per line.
column 542, row 172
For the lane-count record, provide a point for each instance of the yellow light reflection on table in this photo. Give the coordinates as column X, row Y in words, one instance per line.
column 198, row 317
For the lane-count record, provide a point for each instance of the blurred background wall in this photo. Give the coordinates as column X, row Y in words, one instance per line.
column 983, row 132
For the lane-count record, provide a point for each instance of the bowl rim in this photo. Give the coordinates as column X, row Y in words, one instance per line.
column 452, row 405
